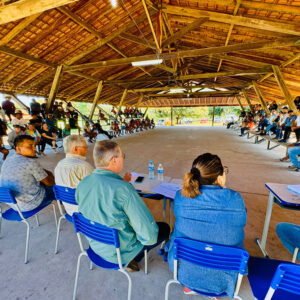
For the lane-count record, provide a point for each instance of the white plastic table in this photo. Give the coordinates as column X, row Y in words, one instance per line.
column 279, row 194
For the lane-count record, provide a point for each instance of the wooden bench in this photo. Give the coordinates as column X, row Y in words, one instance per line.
column 260, row 138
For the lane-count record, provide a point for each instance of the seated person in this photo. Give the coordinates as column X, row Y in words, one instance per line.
column 88, row 132
column 23, row 175
column 48, row 137
column 66, row 131
column 18, row 120
column 287, row 126
column 106, row 198
column 37, row 121
column 101, row 130
column 284, row 114
column 13, row 134
column 3, row 129
column 246, row 126
column 73, row 168
column 31, row 131
column 207, row 211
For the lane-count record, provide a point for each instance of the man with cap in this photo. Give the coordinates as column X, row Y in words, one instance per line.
column 18, row 120
column 8, row 107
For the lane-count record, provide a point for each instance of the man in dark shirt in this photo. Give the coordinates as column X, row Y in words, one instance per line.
column 8, row 107
column 37, row 121
column 35, row 107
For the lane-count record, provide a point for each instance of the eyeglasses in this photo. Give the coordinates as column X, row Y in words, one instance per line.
column 226, row 170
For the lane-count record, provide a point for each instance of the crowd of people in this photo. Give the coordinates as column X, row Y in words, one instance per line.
column 58, row 122
column 106, row 198
column 278, row 125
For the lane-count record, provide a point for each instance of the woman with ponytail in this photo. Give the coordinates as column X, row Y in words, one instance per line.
column 207, row 211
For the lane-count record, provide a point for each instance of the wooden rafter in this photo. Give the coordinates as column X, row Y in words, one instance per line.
column 26, row 8
column 248, row 100
column 54, row 87
column 193, row 95
column 96, row 99
column 192, row 53
column 260, row 97
column 285, row 28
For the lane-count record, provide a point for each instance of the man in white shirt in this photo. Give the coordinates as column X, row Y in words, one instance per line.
column 72, row 169
column 18, row 120
column 282, row 119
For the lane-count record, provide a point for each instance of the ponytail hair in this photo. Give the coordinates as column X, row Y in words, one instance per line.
column 205, row 171
column 191, row 184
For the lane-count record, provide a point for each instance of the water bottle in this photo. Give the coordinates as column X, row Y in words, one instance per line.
column 151, row 169
column 160, row 172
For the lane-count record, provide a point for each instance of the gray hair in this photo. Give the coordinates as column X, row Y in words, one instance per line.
column 71, row 141
column 104, row 151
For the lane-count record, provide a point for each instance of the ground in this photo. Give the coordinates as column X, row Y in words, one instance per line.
column 49, row 276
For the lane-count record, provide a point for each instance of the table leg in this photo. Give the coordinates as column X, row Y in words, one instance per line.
column 164, row 208
column 262, row 243
column 170, row 213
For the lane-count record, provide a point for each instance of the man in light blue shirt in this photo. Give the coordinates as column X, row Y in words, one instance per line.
column 104, row 197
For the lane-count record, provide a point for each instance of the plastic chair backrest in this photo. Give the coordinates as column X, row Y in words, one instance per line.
column 287, row 277
column 96, row 231
column 210, row 255
column 65, row 194
column 6, row 196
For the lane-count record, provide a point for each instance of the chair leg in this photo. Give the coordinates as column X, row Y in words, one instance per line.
column 57, row 234
column 146, row 261
column 27, row 241
column 295, row 255
column 55, row 217
column 129, row 283
column 77, row 273
column 0, row 219
column 167, row 288
column 37, row 220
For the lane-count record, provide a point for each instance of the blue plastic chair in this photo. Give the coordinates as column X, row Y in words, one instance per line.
column 273, row 279
column 67, row 195
column 101, row 234
column 6, row 196
column 210, row 256
column 289, row 234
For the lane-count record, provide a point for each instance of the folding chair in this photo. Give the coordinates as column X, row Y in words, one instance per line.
column 274, row 279
column 289, row 234
column 101, row 234
column 67, row 195
column 211, row 256
column 6, row 196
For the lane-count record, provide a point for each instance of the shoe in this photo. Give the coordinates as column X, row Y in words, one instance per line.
column 292, row 167
column 282, row 141
column 132, row 267
column 187, row 291
column 297, row 170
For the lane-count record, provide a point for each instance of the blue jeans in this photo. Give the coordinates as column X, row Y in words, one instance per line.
column 279, row 132
column 289, row 234
column 270, row 127
column 293, row 153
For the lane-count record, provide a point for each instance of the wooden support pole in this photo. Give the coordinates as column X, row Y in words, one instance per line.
column 213, row 117
column 287, row 95
column 96, row 99
column 261, row 98
column 121, row 102
column 54, row 88
column 139, row 102
column 240, row 103
column 20, row 102
column 172, row 113
column 146, row 111
column 248, row 100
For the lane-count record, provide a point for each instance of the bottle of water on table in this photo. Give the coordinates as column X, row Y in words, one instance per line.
column 151, row 169
column 160, row 172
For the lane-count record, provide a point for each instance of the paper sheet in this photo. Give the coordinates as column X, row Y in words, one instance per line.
column 294, row 188
column 167, row 189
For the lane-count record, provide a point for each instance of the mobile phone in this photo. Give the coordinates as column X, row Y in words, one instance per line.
column 139, row 179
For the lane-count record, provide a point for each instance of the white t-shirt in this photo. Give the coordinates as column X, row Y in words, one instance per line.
column 298, row 121
column 69, row 172
column 20, row 122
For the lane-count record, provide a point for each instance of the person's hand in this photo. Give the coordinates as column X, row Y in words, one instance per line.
column 127, row 177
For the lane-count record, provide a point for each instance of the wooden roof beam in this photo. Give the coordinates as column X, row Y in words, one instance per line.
column 26, row 8
column 179, row 34
column 192, row 53
column 285, row 28
column 134, row 39
column 193, row 95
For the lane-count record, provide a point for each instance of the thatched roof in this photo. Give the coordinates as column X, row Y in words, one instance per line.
column 225, row 48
